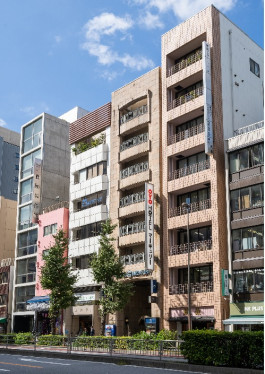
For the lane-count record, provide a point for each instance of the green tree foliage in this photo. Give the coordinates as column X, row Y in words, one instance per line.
column 56, row 276
column 108, row 271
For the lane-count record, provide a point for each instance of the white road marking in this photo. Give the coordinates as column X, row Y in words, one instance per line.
column 4, row 370
column 44, row 362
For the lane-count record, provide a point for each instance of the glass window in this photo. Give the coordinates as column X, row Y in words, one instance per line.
column 32, row 135
column 236, row 240
column 28, row 162
column 244, row 158
column 257, row 155
column 258, row 235
column 247, row 239
column 25, row 217
column 256, row 196
column 26, row 191
column 234, row 162
column 82, row 175
column 235, row 201
column 22, row 295
column 259, row 280
column 245, row 198
column 254, row 67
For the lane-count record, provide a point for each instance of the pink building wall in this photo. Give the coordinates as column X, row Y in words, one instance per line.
column 59, row 216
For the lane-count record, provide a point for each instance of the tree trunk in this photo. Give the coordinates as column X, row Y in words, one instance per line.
column 102, row 324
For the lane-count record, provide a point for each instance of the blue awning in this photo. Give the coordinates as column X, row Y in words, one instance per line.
column 39, row 299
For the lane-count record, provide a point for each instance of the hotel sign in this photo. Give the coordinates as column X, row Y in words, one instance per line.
column 207, row 86
column 36, row 190
column 149, row 226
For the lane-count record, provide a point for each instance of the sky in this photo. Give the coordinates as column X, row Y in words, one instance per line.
column 58, row 54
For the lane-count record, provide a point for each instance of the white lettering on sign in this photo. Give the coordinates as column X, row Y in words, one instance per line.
column 149, row 226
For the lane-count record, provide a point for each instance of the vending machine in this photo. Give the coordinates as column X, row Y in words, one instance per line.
column 151, row 325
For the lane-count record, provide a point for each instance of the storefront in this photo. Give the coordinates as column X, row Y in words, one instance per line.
column 84, row 313
column 202, row 318
column 245, row 316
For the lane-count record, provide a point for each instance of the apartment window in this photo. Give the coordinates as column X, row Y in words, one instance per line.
column 26, row 191
column 199, row 234
column 93, row 171
column 246, row 158
column 16, row 167
column 198, row 158
column 82, row 262
column 22, row 295
column 197, row 274
column 4, row 277
column 3, row 300
column 247, row 238
column 88, row 231
column 254, row 67
column 192, row 90
column 25, row 217
column 248, row 281
column 26, row 270
column 186, row 127
column 50, row 229
column 92, row 200
column 195, row 196
column 32, row 135
column 247, row 198
column 28, row 163
column 27, row 243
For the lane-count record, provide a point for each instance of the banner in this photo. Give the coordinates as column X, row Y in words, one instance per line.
column 207, row 87
column 149, row 226
column 36, row 196
column 225, row 282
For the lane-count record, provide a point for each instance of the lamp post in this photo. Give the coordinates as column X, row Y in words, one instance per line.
column 187, row 207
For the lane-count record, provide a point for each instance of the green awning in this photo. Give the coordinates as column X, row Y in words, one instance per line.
column 2, row 320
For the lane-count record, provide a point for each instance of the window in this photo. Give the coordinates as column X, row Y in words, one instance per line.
column 246, row 281
column 247, row 238
column 16, row 167
column 3, row 300
column 192, row 164
column 196, row 235
column 25, row 217
column 27, row 243
column 83, row 262
column 26, row 188
column 50, row 230
column 191, row 90
column 88, row 231
column 4, row 277
column 246, row 158
column 22, row 295
column 195, row 196
column 92, row 171
column 197, row 274
column 26, row 270
column 91, row 200
column 254, row 67
column 17, row 155
column 246, row 198
column 187, row 127
column 15, row 179
column 32, row 135
column 28, row 163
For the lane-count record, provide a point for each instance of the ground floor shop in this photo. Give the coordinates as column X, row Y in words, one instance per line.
column 245, row 316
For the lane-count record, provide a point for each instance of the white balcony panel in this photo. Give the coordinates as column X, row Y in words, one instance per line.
column 83, row 247
column 88, row 187
column 88, row 216
column 89, row 157
column 85, row 277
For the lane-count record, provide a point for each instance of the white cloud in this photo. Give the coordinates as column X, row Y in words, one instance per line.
column 33, row 111
column 184, row 9
column 150, row 21
column 106, row 25
column 2, row 122
column 109, row 75
column 58, row 38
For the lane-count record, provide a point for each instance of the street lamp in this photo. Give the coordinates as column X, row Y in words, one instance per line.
column 187, row 207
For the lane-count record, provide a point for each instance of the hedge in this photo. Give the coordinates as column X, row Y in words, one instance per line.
column 23, row 338
column 221, row 348
column 55, row 340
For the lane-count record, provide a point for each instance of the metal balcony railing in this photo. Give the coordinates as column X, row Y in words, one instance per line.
column 132, row 228
column 194, row 207
column 132, row 142
column 193, row 94
column 252, row 127
column 177, row 289
column 134, row 169
column 197, row 56
column 187, row 170
column 198, row 129
column 132, row 259
column 132, row 199
column 26, row 278
column 133, row 114
column 180, row 249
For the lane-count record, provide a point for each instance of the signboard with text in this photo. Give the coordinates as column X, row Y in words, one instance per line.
column 149, row 226
column 207, row 86
column 36, row 191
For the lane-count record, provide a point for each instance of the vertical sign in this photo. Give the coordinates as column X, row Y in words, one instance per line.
column 36, row 191
column 149, row 226
column 207, row 85
column 225, row 283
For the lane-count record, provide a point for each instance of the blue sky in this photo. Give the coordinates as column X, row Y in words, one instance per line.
column 57, row 54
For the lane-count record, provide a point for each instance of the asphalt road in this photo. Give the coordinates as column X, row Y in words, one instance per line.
column 15, row 364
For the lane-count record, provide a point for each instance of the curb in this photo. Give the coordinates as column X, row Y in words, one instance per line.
column 146, row 362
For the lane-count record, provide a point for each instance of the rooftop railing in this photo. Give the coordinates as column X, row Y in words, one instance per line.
column 187, row 170
column 178, row 289
column 132, row 228
column 132, row 142
column 185, row 98
column 132, row 199
column 180, row 249
column 132, row 259
column 134, row 169
column 198, row 129
column 193, row 207
column 252, row 127
column 133, row 114
column 197, row 56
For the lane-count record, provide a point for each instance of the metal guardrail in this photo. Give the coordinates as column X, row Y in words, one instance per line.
column 133, row 114
column 132, row 228
column 193, row 207
column 252, row 127
column 193, row 94
column 178, row 289
column 183, row 172
column 132, row 142
column 185, row 134
column 132, row 259
column 113, row 346
column 179, row 249
column 134, row 198
column 134, row 169
column 197, row 56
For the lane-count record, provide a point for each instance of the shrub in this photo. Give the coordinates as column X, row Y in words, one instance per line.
column 8, row 338
column 220, row 348
column 167, row 335
column 56, row 340
column 23, row 338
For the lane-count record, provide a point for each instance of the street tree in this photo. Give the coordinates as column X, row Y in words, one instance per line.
column 57, row 277
column 109, row 272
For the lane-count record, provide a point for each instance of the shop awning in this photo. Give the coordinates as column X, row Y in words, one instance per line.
column 2, row 320
column 244, row 321
column 194, row 318
column 39, row 299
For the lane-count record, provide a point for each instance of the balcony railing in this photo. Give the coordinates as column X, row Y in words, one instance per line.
column 132, row 228
column 25, row 251
column 133, row 114
column 132, row 142
column 187, row 170
column 26, row 278
column 132, row 259
column 180, row 249
column 134, row 169
column 185, row 98
column 197, row 56
column 252, row 127
column 178, row 289
column 194, row 207
column 132, row 199
column 198, row 129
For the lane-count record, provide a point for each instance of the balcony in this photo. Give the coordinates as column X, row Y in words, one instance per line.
column 88, row 216
column 191, row 59
column 132, row 204
column 135, row 118
column 133, row 114
column 183, row 172
column 194, row 207
column 195, row 246
column 179, row 289
column 134, row 175
column 83, row 247
column 132, row 199
column 132, row 234
column 26, row 278
column 132, row 142
column 135, row 151
column 132, row 228
column 134, row 169
column 185, row 98
column 193, row 131
column 132, row 259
